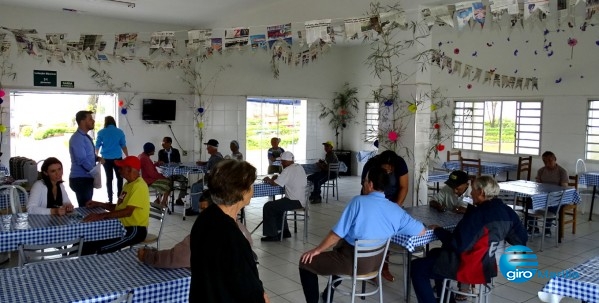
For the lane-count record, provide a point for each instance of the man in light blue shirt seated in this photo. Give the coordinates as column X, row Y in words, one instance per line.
column 367, row 217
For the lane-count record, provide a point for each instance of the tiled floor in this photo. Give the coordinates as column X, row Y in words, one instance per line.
column 278, row 261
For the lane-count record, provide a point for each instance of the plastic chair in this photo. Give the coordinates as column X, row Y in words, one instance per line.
column 363, row 249
column 14, row 193
column 332, row 182
column 38, row 253
column 156, row 213
column 569, row 210
column 299, row 214
column 482, row 293
column 541, row 216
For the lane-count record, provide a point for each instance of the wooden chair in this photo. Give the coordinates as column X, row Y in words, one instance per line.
column 568, row 211
column 524, row 168
column 471, row 166
column 457, row 153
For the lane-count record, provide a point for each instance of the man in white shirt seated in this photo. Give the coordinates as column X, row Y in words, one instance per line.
column 293, row 178
column 451, row 196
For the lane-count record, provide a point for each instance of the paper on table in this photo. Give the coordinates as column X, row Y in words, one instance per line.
column 468, row 200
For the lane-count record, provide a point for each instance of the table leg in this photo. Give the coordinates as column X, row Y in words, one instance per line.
column 258, row 226
column 407, row 280
column 560, row 229
column 592, row 203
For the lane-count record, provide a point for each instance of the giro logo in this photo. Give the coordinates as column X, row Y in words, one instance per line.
column 518, row 264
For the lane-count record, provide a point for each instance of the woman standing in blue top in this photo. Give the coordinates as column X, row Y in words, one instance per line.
column 111, row 141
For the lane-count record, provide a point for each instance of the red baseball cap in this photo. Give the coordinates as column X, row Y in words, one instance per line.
column 130, row 161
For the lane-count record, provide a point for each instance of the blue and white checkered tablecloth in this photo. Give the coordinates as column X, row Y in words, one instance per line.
column 437, row 176
column 5, row 200
column 427, row 216
column 109, row 276
column 488, row 168
column 262, row 189
column 45, row 229
column 311, row 168
column 579, row 282
column 4, row 169
column 538, row 192
column 182, row 169
column 589, row 178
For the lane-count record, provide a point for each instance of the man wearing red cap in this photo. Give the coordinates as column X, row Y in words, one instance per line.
column 132, row 209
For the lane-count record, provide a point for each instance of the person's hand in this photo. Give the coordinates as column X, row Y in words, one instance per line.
column 433, row 226
column 159, row 163
column 141, row 254
column 59, row 211
column 274, row 177
column 92, row 203
column 266, row 179
column 94, row 217
column 101, row 160
column 69, row 208
column 266, row 298
column 307, row 256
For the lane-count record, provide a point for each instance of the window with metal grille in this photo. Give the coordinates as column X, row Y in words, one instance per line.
column 592, row 146
column 506, row 127
column 372, row 121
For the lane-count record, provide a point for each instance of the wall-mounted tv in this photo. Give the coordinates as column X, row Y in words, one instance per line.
column 158, row 110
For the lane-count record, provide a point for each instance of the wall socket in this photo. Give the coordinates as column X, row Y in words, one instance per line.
column 184, row 153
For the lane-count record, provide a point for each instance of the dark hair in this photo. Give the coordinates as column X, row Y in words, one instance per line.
column 81, row 115
column 168, row 139
column 548, row 154
column 388, row 157
column 378, row 176
column 229, row 180
column 109, row 120
column 46, row 166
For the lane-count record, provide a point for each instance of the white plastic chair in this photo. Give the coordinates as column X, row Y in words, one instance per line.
column 541, row 216
column 14, row 192
column 363, row 249
column 482, row 293
column 581, row 168
column 39, row 253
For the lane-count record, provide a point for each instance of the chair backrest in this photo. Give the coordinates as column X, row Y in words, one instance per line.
column 309, row 188
column 370, row 248
column 555, row 198
column 38, row 253
column 524, row 168
column 334, row 168
column 581, row 167
column 471, row 166
column 451, row 153
column 573, row 181
column 12, row 193
column 124, row 298
column 157, row 213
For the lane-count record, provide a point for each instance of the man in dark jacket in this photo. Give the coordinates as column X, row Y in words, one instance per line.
column 468, row 254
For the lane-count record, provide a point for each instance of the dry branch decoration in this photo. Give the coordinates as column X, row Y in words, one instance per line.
column 342, row 110
column 6, row 71
column 104, row 81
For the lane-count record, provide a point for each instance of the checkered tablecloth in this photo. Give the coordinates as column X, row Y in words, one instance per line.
column 488, row 168
column 437, row 176
column 4, row 169
column 45, row 229
column 579, row 282
column 538, row 192
column 182, row 169
column 5, row 200
column 589, row 178
column 262, row 189
column 311, row 168
column 109, row 276
column 427, row 216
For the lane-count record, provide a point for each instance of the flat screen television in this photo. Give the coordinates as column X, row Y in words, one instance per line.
column 158, row 110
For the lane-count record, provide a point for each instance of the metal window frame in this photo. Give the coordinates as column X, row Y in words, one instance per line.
column 372, row 125
column 588, row 153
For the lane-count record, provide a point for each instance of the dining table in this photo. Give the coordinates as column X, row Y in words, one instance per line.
column 580, row 282
column 590, row 178
column 428, row 216
column 487, row 167
column 310, row 166
column 172, row 169
column 24, row 228
column 108, row 276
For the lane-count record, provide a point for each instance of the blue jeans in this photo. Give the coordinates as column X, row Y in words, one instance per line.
column 83, row 188
column 422, row 273
column 109, row 168
column 196, row 195
column 318, row 179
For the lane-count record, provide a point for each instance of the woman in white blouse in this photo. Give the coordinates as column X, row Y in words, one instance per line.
column 48, row 196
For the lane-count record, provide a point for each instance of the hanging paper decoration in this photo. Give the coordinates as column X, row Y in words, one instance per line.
column 440, row 147
column 572, row 42
column 434, row 107
column 124, row 110
column 200, row 110
column 376, row 143
column 2, row 128
column 200, row 125
column 343, row 112
column 1, row 100
column 456, row 51
column 388, row 103
column 121, row 102
column 2, row 93
column 393, row 136
column 412, row 108
column 436, row 126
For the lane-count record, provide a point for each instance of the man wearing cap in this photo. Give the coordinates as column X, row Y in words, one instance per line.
column 198, row 187
column 150, row 174
column 132, row 209
column 293, row 178
column 319, row 178
column 451, row 196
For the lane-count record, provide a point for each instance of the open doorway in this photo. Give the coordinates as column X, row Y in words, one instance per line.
column 42, row 123
column 274, row 117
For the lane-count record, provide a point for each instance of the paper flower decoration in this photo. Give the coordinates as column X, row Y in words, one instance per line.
column 121, row 102
column 393, row 136
column 456, row 50
column 572, row 42
column 474, row 54
column 469, row 86
column 2, row 93
column 433, row 107
column 558, row 81
column 436, row 126
column 412, row 108
column 2, row 128
column 388, row 102
column 440, row 147
column 516, row 53
column 200, row 125
column 1, row 100
column 546, row 32
column 343, row 125
column 124, row 110
column 200, row 110
column 376, row 143
column 343, row 112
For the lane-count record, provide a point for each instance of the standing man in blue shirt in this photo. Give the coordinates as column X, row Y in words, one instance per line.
column 112, row 144
column 83, row 158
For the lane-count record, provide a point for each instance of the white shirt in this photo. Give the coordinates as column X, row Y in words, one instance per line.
column 38, row 198
column 449, row 199
column 293, row 178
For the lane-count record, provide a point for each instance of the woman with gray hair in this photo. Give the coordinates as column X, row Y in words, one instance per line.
column 223, row 268
column 235, row 153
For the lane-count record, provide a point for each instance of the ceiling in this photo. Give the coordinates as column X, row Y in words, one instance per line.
column 193, row 13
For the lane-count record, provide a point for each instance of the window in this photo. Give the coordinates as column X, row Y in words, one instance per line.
column 593, row 131
column 372, row 121
column 506, row 127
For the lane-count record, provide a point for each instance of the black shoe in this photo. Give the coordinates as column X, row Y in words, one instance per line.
column 286, row 234
column 191, row 212
column 316, row 200
column 179, row 202
column 276, row 238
